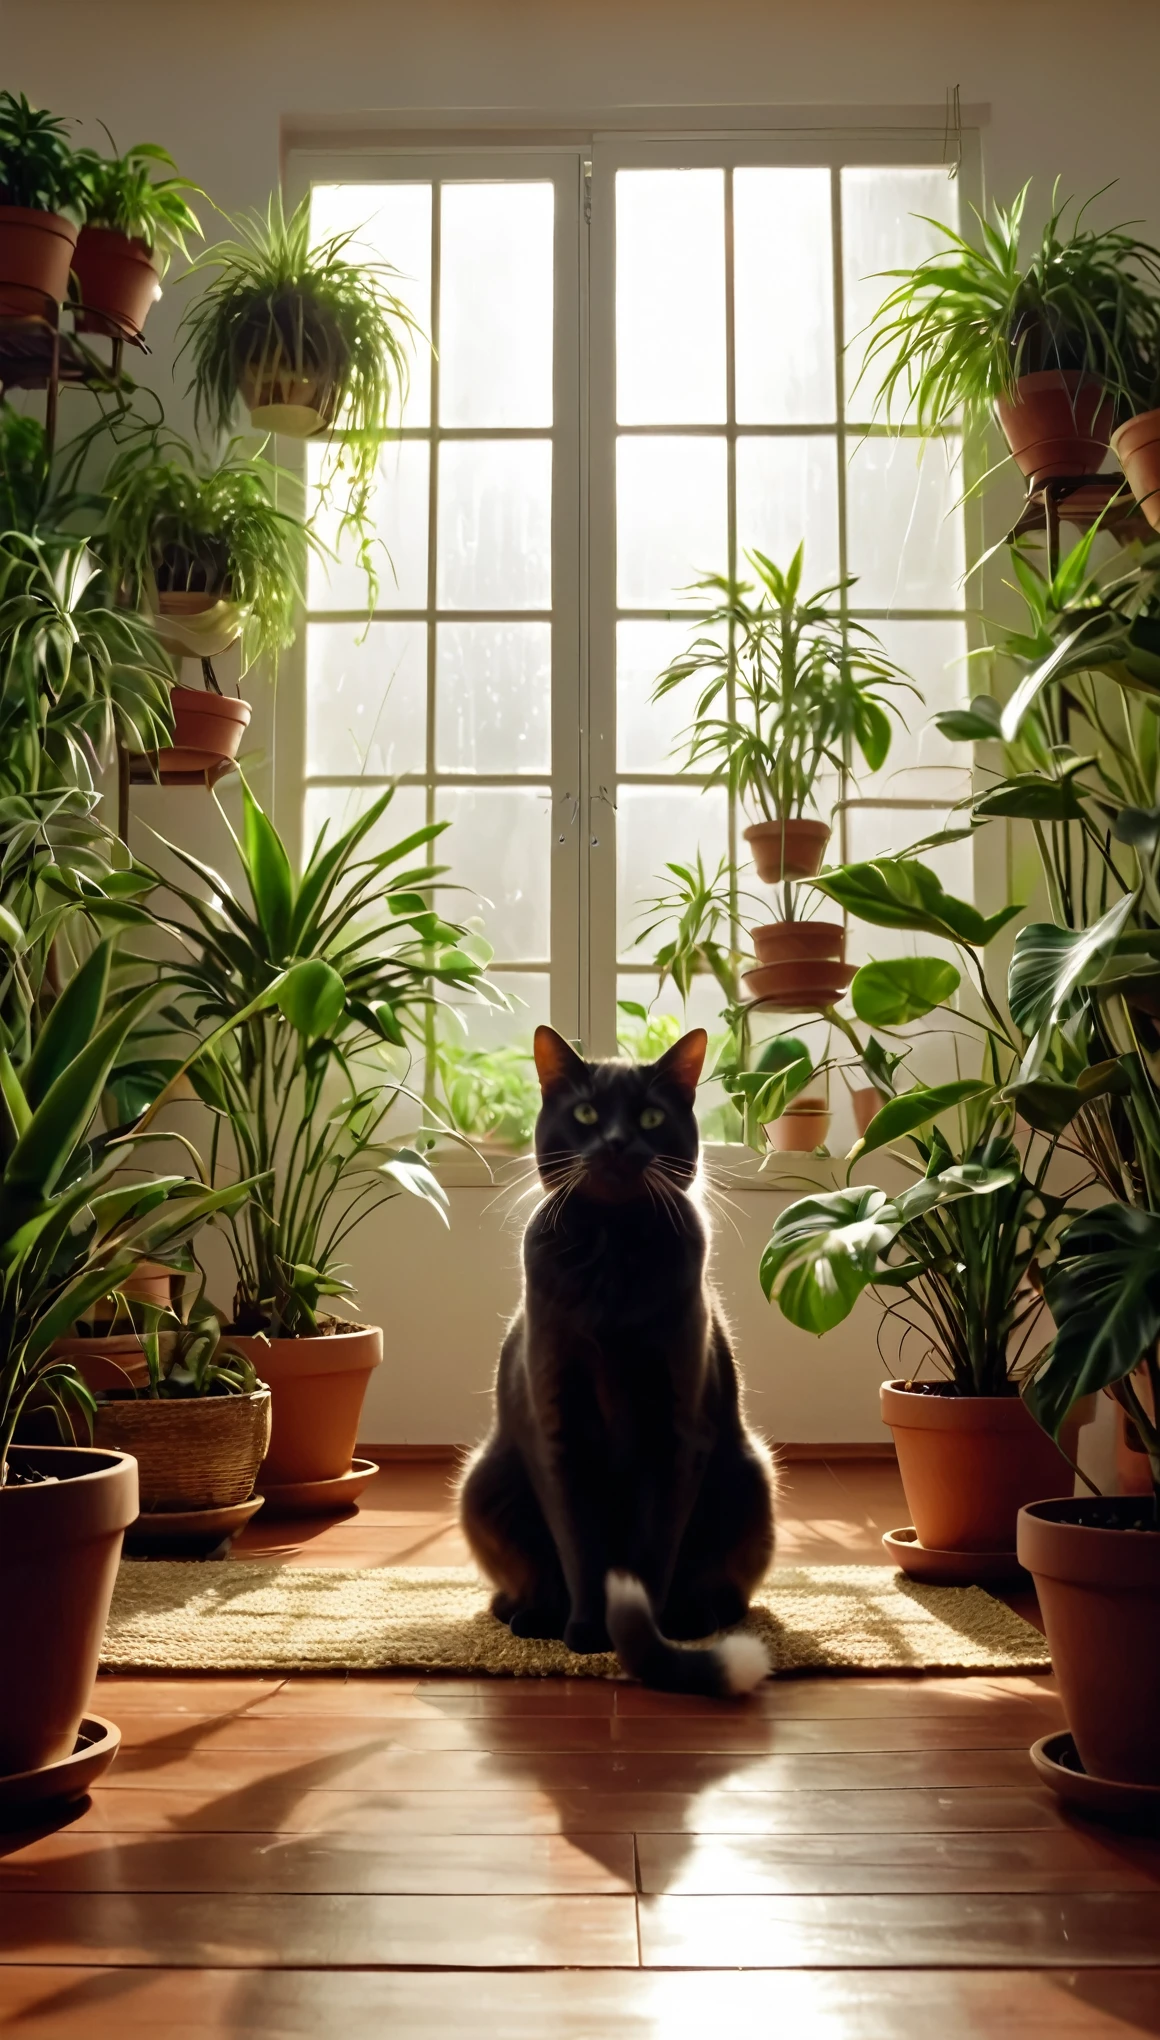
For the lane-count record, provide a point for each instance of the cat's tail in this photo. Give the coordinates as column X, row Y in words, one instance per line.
column 722, row 1670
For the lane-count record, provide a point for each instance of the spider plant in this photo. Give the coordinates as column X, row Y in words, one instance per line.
column 124, row 194
column 959, row 329
column 171, row 524
column 301, row 1088
column 39, row 168
column 285, row 314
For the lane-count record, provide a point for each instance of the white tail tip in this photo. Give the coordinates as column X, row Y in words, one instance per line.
column 745, row 1661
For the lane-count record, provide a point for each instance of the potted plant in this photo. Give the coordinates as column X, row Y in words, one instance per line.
column 42, row 205
column 301, row 1088
column 134, row 223
column 786, row 686
column 70, row 1233
column 1051, row 346
column 212, row 558
column 311, row 339
column 489, row 1094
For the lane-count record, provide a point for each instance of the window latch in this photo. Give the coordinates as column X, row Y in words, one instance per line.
column 586, row 171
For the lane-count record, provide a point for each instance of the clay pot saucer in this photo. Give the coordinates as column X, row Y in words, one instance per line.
column 1056, row 1759
column 97, row 1744
column 952, row 1568
column 797, row 987
column 319, row 1497
column 180, row 1533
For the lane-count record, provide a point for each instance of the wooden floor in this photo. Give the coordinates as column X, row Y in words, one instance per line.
column 870, row 1859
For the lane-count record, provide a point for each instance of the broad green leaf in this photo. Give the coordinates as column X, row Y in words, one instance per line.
column 902, row 989
column 1050, row 1106
column 978, row 724
column 271, row 879
column 71, row 1022
column 902, row 892
column 312, row 997
column 1050, row 965
column 823, row 1252
column 916, row 1109
column 1032, row 797
column 1104, row 1293
column 66, row 1111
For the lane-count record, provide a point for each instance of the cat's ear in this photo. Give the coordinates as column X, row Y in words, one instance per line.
column 681, row 1065
column 556, row 1062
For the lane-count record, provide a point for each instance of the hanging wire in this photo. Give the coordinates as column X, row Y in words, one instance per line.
column 953, row 129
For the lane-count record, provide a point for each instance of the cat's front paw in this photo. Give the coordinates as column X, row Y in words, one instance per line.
column 538, row 1620
column 586, row 1637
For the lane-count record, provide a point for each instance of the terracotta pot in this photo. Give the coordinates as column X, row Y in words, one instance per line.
column 799, row 942
column 109, row 1359
column 200, row 1452
column 116, row 282
column 295, row 406
column 208, row 729
column 867, row 1102
column 1099, row 1592
column 802, row 1127
column 36, row 252
column 318, row 1387
column 1059, row 424
column 969, row 1463
column 798, row 987
column 1137, row 448
column 60, row 1546
column 787, row 849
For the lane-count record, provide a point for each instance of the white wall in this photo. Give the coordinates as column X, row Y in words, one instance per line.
column 227, row 87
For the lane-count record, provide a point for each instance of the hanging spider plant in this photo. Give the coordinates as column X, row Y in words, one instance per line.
column 311, row 339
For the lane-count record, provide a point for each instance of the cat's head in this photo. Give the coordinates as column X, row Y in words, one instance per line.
column 614, row 1130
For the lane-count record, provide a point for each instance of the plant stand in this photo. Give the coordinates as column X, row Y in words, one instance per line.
column 36, row 355
column 1080, row 500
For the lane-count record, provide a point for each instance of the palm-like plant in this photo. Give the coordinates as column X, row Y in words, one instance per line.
column 959, row 329
column 38, row 166
column 302, row 1083
column 124, row 194
column 787, row 685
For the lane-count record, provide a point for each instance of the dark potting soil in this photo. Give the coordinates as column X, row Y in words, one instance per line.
column 1114, row 1512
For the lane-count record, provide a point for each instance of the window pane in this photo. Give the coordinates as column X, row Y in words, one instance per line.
column 399, row 515
column 340, row 806
column 654, row 826
column 787, row 490
column 495, row 524
column 487, row 1027
column 495, row 304
column 389, row 223
column 648, row 732
column 499, row 844
column 905, row 539
column 783, row 296
column 880, row 231
column 671, row 525
column 923, row 764
column 493, row 697
column 670, row 297
column 366, row 698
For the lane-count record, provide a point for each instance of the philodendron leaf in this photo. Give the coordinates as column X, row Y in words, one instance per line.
column 1104, row 1293
column 901, row 989
column 1033, row 797
column 916, row 1109
column 1050, row 1106
column 902, row 892
column 823, row 1252
column 978, row 724
column 312, row 996
column 1050, row 965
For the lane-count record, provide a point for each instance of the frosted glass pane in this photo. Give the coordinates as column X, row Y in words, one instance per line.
column 905, row 535
column 495, row 304
column 783, row 291
column 493, row 693
column 923, row 764
column 654, row 826
column 484, row 1026
column 366, row 698
column 499, row 845
column 399, row 516
column 787, row 490
column 648, row 732
column 880, row 231
column 495, row 524
column 670, row 297
column 340, row 806
column 389, row 223
column 671, row 519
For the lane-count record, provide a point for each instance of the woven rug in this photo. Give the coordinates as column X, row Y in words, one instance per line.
column 173, row 1616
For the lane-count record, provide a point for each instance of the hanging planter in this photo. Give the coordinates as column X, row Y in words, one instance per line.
column 1058, row 424
column 281, row 397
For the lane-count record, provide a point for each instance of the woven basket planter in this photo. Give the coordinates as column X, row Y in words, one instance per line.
column 198, row 1452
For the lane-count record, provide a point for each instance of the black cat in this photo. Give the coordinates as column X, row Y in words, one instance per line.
column 620, row 1500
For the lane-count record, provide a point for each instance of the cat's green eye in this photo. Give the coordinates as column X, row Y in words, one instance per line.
column 586, row 1114
column 651, row 1117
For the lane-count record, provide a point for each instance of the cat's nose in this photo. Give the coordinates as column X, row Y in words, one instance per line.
column 615, row 1139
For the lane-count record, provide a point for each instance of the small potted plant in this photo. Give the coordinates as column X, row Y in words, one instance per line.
column 786, row 687
column 490, row 1095
column 135, row 221
column 42, row 205
column 213, row 559
column 301, row 1085
column 1051, row 346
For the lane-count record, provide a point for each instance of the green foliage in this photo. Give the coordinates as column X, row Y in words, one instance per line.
column 301, row 1082
column 490, row 1093
column 806, row 684
column 643, row 1036
column 917, row 1109
column 24, row 470
column 38, row 167
column 172, row 523
column 124, row 194
column 1104, row 1294
column 902, row 989
column 784, row 1068
column 902, row 892
column 958, row 330
column 281, row 306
